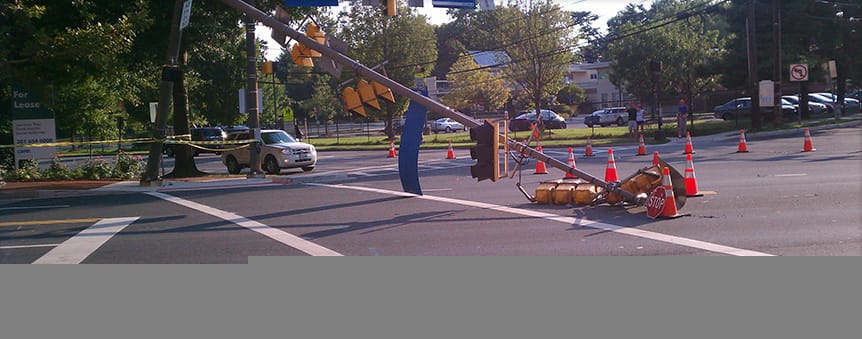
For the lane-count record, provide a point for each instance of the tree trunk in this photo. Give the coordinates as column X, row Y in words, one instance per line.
column 184, row 161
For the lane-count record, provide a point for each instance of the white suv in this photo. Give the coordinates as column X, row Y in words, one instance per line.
column 278, row 150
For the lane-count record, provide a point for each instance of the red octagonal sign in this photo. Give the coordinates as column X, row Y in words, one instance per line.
column 655, row 202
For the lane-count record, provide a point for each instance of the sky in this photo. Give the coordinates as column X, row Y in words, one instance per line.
column 605, row 9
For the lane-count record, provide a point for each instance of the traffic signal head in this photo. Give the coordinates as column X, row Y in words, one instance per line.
column 486, row 151
column 352, row 101
column 314, row 32
column 383, row 92
column 266, row 67
column 366, row 93
column 301, row 55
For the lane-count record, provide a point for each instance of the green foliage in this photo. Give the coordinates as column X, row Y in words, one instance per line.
column 127, row 166
column 406, row 42
column 96, row 169
column 58, row 170
column 571, row 94
column 27, row 171
column 539, row 40
column 688, row 50
column 471, row 85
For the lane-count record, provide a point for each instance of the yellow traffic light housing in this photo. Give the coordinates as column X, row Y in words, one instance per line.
column 366, row 93
column 301, row 55
column 352, row 101
column 383, row 92
column 314, row 32
column 266, row 67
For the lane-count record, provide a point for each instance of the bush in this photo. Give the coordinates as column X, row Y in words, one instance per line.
column 96, row 169
column 58, row 171
column 27, row 171
column 128, row 166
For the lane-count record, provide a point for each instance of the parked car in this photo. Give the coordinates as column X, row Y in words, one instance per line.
column 278, row 150
column 813, row 106
column 742, row 107
column 855, row 95
column 550, row 119
column 606, row 117
column 205, row 134
column 850, row 104
column 447, row 125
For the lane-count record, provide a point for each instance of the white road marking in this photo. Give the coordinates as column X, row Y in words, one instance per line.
column 276, row 234
column 567, row 220
column 27, row 246
column 33, row 207
column 79, row 247
column 791, row 175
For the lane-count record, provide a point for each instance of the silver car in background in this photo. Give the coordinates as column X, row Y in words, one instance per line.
column 278, row 150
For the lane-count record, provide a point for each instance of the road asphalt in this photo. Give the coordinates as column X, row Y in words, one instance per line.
column 11, row 191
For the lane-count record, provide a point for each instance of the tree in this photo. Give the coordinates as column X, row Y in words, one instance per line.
column 405, row 41
column 539, row 40
column 62, row 48
column 470, row 84
column 688, row 46
column 324, row 103
column 572, row 95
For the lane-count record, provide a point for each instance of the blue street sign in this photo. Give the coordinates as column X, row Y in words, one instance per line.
column 464, row 4
column 310, row 3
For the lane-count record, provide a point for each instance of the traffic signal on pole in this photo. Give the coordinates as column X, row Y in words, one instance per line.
column 314, row 32
column 366, row 93
column 382, row 91
column 266, row 67
column 352, row 101
column 302, row 54
column 391, row 7
column 486, row 151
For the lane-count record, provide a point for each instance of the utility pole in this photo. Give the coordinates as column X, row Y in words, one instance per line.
column 166, row 87
column 251, row 99
column 751, row 31
column 776, row 30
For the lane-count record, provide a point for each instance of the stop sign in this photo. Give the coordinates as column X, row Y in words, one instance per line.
column 655, row 202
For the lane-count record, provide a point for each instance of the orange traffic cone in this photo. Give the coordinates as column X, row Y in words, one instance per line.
column 690, row 180
column 641, row 146
column 392, row 152
column 589, row 151
column 655, row 158
column 809, row 145
column 688, row 148
column 450, row 154
column 611, row 170
column 742, row 147
column 571, row 164
column 669, row 210
column 540, row 165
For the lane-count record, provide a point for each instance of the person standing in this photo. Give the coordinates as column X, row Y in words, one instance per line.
column 633, row 120
column 640, row 118
column 681, row 116
column 297, row 132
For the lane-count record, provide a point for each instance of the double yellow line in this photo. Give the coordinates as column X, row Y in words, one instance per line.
column 49, row 222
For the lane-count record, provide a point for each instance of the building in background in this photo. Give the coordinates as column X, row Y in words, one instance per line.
column 594, row 79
